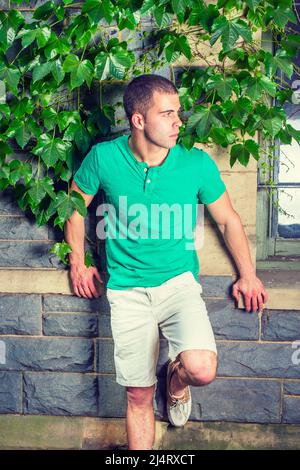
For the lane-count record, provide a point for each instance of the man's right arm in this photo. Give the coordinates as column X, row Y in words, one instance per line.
column 82, row 277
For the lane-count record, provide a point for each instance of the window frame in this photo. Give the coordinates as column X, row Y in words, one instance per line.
column 272, row 251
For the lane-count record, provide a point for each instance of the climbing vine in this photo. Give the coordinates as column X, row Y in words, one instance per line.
column 57, row 61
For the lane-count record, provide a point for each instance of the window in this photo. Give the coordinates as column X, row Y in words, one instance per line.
column 278, row 217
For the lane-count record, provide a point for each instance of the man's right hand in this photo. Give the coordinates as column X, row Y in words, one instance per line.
column 83, row 281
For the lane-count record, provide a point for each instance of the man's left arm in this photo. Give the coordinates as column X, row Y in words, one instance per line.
column 231, row 227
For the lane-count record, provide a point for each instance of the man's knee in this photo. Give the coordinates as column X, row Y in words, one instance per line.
column 201, row 368
column 140, row 396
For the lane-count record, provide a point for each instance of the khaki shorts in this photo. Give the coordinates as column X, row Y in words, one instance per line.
column 176, row 307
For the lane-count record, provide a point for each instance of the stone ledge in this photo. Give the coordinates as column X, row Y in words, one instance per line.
column 37, row 281
column 283, row 288
column 55, row 432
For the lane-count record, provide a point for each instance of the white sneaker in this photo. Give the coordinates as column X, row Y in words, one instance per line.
column 178, row 409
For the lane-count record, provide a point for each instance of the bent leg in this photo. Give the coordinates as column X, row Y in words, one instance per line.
column 197, row 367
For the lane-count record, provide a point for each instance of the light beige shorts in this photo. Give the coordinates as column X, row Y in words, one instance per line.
column 175, row 306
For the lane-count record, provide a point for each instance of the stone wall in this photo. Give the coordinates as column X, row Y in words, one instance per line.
column 59, row 360
column 56, row 351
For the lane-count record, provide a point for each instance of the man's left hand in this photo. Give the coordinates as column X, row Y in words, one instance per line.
column 253, row 291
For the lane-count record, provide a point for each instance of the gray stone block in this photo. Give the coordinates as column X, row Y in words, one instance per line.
column 60, row 394
column 291, row 387
column 20, row 314
column 38, row 354
column 216, row 286
column 291, row 410
column 72, row 303
column 21, row 228
column 10, row 392
column 105, row 356
column 104, row 330
column 251, row 401
column 57, row 235
column 280, row 325
column 253, row 359
column 28, row 255
column 231, row 323
column 59, row 324
column 237, row 400
column 112, row 397
column 8, row 205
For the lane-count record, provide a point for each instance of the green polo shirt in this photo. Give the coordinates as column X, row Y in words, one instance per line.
column 150, row 213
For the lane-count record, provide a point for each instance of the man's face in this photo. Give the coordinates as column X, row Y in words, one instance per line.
column 161, row 123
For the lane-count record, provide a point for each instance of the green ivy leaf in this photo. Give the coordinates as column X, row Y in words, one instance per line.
column 28, row 34
column 22, row 107
column 19, row 130
column 65, row 204
column 5, row 149
column 45, row 11
column 65, row 118
column 254, row 87
column 9, row 25
column 253, row 4
column 11, row 76
column 43, row 36
column 230, row 31
column 57, row 71
column 88, row 259
column 41, row 70
column 273, row 125
column 61, row 250
column 19, row 170
column 128, row 19
column 162, row 18
column 295, row 133
column 284, row 137
column 203, row 15
column 291, row 44
column 253, row 148
column 223, row 137
column 146, row 6
column 223, row 85
column 97, row 10
column 238, row 110
column 112, row 64
column 280, row 61
column 51, row 149
column 82, row 138
column 281, row 16
column 81, row 71
column 203, row 120
column 50, row 118
column 240, row 153
column 5, row 110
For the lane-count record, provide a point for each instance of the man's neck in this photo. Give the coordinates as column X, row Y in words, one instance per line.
column 144, row 152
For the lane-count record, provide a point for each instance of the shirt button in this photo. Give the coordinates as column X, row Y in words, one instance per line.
column 148, row 181
column 145, row 169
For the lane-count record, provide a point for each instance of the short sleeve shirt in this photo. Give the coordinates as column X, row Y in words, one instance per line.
column 150, row 213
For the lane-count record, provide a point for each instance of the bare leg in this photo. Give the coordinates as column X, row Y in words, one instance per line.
column 197, row 367
column 140, row 420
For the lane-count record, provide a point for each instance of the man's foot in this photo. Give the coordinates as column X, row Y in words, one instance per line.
column 178, row 408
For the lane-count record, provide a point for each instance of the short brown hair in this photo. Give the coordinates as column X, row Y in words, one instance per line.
column 139, row 92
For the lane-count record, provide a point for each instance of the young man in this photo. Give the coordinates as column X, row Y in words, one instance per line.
column 154, row 276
